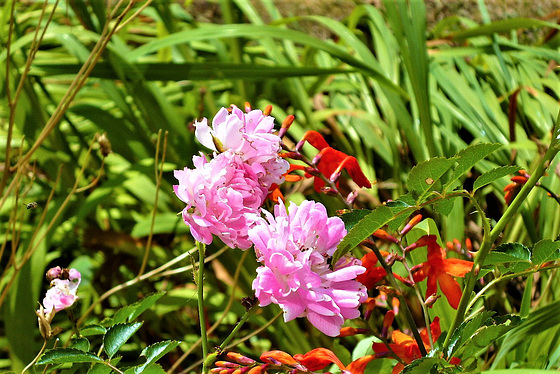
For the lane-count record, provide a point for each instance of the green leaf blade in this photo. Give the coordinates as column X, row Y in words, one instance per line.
column 362, row 230
column 493, row 175
column 423, row 177
column 66, row 355
column 117, row 335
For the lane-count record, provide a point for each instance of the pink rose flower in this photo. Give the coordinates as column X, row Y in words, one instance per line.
column 250, row 136
column 222, row 196
column 62, row 293
column 294, row 247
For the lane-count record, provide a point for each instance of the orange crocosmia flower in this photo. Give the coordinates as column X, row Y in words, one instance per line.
column 373, row 273
column 405, row 347
column 319, row 358
column 441, row 270
column 275, row 357
column 332, row 161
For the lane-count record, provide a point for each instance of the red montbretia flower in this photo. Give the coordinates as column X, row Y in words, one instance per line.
column 319, row 358
column 405, row 347
column 330, row 162
column 440, row 270
column 373, row 273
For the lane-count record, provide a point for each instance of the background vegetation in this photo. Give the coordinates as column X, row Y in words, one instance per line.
column 379, row 84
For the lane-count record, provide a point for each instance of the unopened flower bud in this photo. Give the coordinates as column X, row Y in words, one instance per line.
column 384, row 235
column 387, row 322
column 519, row 179
column 351, row 197
column 328, row 191
column 104, row 145
column 292, row 155
column 227, row 364
column 267, row 110
column 317, row 158
column 74, row 275
column 248, row 107
column 334, row 176
column 312, row 171
column 54, row 273
column 216, row 370
column 286, row 126
column 299, row 145
column 430, row 301
column 413, row 222
column 240, row 359
column 259, row 369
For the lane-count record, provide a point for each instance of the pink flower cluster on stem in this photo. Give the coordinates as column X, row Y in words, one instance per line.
column 294, row 247
column 224, row 195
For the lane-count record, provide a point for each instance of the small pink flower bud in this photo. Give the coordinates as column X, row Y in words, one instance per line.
column 334, row 176
column 430, row 301
column 317, row 158
column 299, row 145
column 227, row 364
column 351, row 197
column 54, row 273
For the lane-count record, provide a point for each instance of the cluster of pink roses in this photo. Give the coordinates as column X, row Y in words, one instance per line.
column 224, row 197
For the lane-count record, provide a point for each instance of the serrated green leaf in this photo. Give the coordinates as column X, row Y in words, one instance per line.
column 422, row 365
column 66, row 355
column 154, row 352
column 397, row 206
column 508, row 253
column 445, row 206
column 362, row 230
column 488, row 334
column 466, row 329
column 423, row 177
column 468, row 157
column 117, row 335
column 80, row 343
column 494, row 174
column 130, row 312
column 90, row 330
column 352, row 218
column 545, row 250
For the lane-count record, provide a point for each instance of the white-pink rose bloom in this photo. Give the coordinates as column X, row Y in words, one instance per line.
column 62, row 293
column 294, row 247
column 250, row 136
column 223, row 196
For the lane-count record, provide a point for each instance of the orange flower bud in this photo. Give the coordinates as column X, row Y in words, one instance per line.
column 248, row 107
column 267, row 110
column 382, row 234
column 278, row 357
column 240, row 359
column 413, row 222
